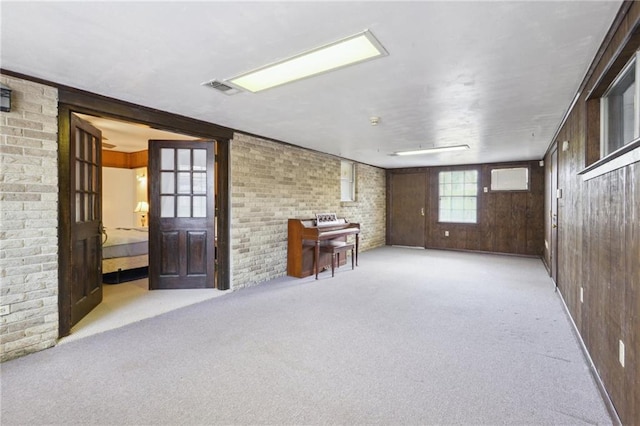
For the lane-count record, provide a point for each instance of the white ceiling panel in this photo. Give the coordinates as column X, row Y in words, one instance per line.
column 497, row 76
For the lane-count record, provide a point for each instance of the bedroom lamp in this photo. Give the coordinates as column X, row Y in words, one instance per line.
column 142, row 207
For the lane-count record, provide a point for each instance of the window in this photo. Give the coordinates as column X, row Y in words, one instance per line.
column 513, row 179
column 458, row 193
column 620, row 113
column 347, row 181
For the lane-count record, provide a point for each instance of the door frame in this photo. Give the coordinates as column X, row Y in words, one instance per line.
column 72, row 100
column 423, row 214
column 553, row 213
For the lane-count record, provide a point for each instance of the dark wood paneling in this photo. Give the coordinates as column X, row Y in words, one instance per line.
column 508, row 222
column 592, row 131
column 599, row 231
column 64, row 223
column 631, row 305
column 223, row 237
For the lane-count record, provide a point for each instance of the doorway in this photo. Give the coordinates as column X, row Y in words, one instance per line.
column 407, row 202
column 74, row 102
column 553, row 213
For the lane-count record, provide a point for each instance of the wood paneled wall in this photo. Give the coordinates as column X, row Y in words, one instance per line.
column 125, row 160
column 508, row 222
column 599, row 230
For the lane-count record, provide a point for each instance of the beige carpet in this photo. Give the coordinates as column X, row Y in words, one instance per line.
column 410, row 337
column 130, row 302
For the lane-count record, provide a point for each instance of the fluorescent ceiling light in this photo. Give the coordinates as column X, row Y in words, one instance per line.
column 348, row 51
column 434, row 150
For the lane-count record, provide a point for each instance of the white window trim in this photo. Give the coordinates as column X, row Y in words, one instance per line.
column 477, row 197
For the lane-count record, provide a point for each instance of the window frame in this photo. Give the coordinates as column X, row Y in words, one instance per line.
column 351, row 179
column 605, row 150
column 476, row 196
column 528, row 169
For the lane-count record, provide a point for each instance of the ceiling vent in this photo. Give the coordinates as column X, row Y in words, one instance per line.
column 222, row 87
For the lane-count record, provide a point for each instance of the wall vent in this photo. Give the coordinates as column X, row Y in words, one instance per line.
column 222, row 87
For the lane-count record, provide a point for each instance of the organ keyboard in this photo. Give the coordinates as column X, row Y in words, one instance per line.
column 304, row 239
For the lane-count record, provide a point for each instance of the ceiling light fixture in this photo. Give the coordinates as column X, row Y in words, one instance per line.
column 351, row 50
column 434, row 150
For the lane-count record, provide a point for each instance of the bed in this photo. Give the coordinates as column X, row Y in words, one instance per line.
column 124, row 249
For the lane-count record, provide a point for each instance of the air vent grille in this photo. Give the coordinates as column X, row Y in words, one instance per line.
column 222, row 87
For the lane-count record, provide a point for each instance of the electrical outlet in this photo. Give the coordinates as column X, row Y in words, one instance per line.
column 621, row 354
column 581, row 295
column 446, row 233
column 4, row 310
column 486, row 189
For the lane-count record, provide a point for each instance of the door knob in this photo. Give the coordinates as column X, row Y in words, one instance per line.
column 422, row 211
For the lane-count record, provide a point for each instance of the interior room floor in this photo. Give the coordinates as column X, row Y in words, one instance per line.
column 129, row 302
column 409, row 337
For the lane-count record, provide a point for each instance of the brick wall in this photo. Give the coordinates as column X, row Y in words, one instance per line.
column 272, row 182
column 28, row 220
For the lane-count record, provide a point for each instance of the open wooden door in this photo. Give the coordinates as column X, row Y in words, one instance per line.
column 181, row 214
column 85, row 199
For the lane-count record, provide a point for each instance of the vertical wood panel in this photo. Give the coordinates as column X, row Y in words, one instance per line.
column 599, row 236
column 169, row 264
column 631, row 319
column 508, row 222
column 197, row 252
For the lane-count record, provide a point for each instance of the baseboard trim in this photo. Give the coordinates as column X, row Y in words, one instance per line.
column 594, row 372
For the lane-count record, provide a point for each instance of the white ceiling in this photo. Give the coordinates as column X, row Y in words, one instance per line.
column 129, row 137
column 497, row 76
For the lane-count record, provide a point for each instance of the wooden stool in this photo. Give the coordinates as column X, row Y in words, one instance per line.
column 335, row 248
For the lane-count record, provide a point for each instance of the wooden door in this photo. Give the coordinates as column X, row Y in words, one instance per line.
column 181, row 214
column 407, row 209
column 554, row 217
column 85, row 199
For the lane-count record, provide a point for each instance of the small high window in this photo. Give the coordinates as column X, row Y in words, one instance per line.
column 458, row 196
column 347, row 181
column 620, row 113
column 510, row 179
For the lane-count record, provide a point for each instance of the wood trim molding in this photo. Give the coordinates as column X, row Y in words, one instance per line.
column 125, row 160
column 620, row 58
column 104, row 106
column 613, row 29
column 626, row 155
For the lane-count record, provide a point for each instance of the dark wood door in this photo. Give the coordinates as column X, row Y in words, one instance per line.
column 181, row 214
column 407, row 209
column 553, row 250
column 85, row 147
